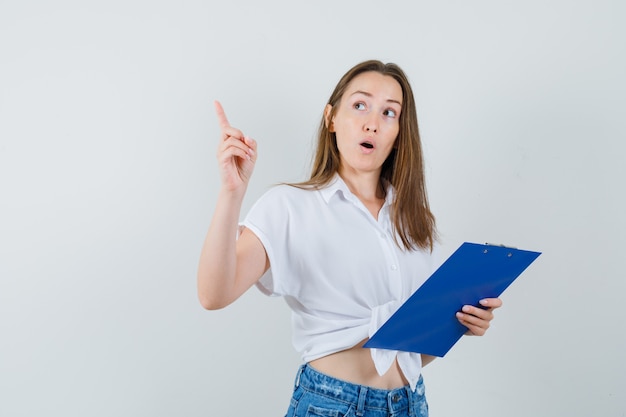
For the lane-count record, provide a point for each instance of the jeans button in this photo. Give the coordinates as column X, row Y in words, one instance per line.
column 395, row 398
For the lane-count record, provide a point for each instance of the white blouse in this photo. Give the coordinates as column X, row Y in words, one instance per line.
column 338, row 268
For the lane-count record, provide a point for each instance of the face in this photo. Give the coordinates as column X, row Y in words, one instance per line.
column 366, row 122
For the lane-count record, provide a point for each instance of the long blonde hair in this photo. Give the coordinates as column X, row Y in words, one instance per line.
column 403, row 168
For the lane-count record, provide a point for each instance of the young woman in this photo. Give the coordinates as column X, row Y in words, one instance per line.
column 345, row 248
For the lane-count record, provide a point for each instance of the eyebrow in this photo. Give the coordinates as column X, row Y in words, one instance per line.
column 365, row 93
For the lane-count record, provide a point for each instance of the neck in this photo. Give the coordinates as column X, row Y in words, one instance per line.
column 366, row 186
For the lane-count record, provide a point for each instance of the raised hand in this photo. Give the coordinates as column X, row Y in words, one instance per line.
column 230, row 264
column 236, row 154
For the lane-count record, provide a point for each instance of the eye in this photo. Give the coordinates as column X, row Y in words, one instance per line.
column 359, row 106
column 390, row 113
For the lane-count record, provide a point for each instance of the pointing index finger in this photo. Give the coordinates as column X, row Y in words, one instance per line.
column 221, row 115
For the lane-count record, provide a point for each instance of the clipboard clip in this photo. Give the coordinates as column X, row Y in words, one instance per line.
column 500, row 245
column 511, row 248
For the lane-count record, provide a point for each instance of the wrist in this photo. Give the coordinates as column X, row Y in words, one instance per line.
column 232, row 196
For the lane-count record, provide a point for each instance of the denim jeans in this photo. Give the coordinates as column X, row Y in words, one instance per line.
column 318, row 395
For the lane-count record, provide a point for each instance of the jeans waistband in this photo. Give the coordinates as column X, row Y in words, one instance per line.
column 365, row 397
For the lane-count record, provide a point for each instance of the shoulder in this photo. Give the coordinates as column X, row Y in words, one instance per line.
column 285, row 197
column 287, row 192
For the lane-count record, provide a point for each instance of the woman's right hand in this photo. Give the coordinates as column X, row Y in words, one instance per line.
column 236, row 154
column 229, row 265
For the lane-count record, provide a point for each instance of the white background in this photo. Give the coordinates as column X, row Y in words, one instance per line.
column 108, row 180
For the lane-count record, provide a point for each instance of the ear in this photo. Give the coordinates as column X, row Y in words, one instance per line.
column 327, row 121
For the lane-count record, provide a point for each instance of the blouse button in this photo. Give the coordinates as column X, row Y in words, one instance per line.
column 393, row 267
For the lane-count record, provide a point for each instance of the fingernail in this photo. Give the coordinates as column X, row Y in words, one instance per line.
column 459, row 315
column 467, row 309
column 484, row 302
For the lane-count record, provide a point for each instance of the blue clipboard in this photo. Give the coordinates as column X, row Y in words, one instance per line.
column 426, row 322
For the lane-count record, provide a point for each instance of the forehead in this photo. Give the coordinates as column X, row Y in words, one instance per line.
column 377, row 85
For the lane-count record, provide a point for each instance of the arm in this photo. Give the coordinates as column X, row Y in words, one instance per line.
column 229, row 266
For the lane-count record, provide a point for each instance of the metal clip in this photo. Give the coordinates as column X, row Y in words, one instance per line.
column 500, row 245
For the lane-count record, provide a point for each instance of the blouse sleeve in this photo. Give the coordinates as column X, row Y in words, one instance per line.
column 268, row 220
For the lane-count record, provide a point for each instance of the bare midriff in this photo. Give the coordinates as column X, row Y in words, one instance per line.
column 355, row 365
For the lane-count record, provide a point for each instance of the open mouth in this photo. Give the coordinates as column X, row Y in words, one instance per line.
column 367, row 145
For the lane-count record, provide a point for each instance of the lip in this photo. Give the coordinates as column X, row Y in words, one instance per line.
column 367, row 146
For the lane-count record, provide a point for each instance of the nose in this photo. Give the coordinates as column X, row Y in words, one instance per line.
column 371, row 124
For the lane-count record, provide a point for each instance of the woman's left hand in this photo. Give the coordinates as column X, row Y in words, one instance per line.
column 477, row 319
